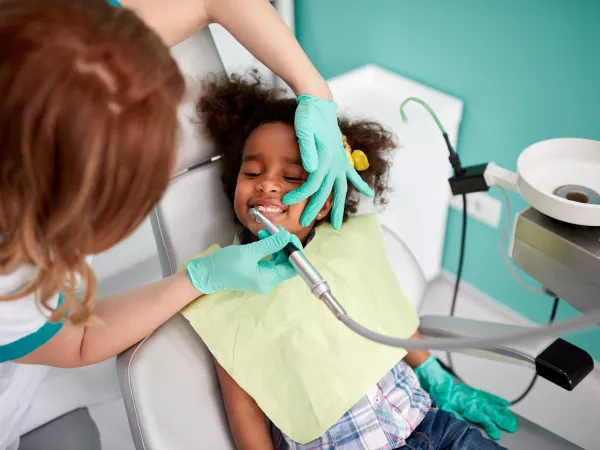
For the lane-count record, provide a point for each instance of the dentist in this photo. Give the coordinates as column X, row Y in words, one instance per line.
column 88, row 139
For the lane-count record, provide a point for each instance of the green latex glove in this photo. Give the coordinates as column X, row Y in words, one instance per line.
column 324, row 158
column 241, row 267
column 479, row 407
column 280, row 257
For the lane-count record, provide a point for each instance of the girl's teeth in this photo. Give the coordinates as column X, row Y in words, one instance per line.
column 271, row 209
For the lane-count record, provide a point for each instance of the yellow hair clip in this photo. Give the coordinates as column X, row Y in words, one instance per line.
column 357, row 158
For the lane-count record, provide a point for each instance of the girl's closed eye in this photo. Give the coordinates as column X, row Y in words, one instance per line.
column 294, row 179
column 251, row 174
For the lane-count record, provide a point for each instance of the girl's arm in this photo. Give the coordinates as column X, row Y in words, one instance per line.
column 246, row 420
column 414, row 358
column 254, row 23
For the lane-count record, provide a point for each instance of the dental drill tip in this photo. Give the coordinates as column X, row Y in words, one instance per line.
column 254, row 213
column 255, row 210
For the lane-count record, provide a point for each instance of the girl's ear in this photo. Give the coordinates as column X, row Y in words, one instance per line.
column 325, row 209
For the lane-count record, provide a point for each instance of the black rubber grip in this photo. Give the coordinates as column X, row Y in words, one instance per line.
column 564, row 364
column 289, row 249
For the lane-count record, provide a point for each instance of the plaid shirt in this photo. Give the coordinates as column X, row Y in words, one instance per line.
column 381, row 420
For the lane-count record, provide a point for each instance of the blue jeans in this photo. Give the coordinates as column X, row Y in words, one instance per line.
column 441, row 430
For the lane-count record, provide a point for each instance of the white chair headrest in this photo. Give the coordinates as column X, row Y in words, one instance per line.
column 194, row 212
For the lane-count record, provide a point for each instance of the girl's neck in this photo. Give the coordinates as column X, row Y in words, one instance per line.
column 247, row 237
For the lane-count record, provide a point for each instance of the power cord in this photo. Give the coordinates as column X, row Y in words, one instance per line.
column 459, row 271
column 503, row 252
column 465, row 181
column 459, row 171
column 461, row 257
column 450, row 366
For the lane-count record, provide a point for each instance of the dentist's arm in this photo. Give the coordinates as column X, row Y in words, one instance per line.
column 258, row 27
column 126, row 318
column 254, row 23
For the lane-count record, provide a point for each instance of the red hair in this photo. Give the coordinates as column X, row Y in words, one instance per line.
column 88, row 132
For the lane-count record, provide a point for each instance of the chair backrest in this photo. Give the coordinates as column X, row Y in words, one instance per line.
column 169, row 384
column 194, row 211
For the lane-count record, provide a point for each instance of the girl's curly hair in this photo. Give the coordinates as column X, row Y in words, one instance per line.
column 231, row 108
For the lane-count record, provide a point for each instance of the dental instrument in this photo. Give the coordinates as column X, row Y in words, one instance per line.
column 459, row 171
column 317, row 284
column 552, row 160
column 320, row 289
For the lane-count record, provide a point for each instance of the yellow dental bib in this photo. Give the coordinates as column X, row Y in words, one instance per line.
column 302, row 366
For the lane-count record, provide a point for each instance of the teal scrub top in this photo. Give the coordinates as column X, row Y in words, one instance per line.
column 27, row 344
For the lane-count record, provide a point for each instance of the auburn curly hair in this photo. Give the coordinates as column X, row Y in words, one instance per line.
column 231, row 108
column 88, row 126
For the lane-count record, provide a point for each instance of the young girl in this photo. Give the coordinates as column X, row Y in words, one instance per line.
column 294, row 361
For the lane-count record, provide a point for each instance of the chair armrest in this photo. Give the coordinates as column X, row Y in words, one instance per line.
column 171, row 391
column 556, row 360
column 456, row 327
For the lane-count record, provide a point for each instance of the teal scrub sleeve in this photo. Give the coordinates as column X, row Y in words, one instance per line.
column 29, row 343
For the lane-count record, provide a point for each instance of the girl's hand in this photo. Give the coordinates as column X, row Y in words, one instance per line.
column 467, row 403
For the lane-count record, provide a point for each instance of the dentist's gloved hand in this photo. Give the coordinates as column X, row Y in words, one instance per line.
column 280, row 257
column 241, row 267
column 479, row 407
column 324, row 158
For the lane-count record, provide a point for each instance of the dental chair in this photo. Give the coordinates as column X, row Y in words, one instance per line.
column 168, row 381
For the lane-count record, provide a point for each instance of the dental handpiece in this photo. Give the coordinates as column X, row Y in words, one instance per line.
column 316, row 283
column 321, row 290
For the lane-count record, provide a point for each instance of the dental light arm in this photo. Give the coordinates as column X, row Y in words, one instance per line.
column 321, row 290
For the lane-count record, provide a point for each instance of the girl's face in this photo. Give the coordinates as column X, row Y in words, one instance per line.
column 272, row 167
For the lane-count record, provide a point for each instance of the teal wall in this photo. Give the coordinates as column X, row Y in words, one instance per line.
column 526, row 70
